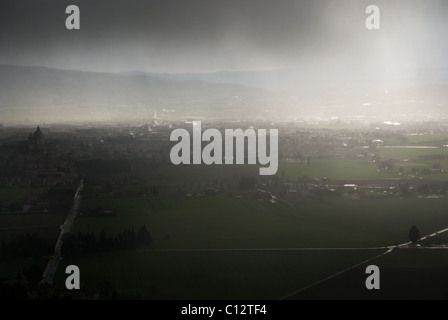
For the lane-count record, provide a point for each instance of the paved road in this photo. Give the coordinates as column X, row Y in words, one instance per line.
column 52, row 265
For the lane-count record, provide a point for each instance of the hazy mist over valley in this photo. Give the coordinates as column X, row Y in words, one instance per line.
column 294, row 60
column 40, row 94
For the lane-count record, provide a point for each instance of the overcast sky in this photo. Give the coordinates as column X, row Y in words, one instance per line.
column 214, row 35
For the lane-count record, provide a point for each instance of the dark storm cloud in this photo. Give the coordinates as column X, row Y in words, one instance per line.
column 153, row 32
column 209, row 35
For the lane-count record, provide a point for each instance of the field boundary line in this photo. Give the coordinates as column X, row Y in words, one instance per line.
column 391, row 248
column 334, row 275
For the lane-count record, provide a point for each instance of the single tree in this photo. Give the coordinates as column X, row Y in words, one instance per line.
column 414, row 234
column 33, row 275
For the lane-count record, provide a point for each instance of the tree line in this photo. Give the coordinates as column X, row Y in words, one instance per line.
column 26, row 245
column 84, row 243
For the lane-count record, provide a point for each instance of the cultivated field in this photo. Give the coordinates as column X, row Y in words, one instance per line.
column 232, row 222
column 210, row 275
column 222, row 222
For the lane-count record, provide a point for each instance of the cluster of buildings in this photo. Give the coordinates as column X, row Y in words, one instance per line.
column 35, row 164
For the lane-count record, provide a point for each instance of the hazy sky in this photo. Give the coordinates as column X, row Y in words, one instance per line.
column 214, row 35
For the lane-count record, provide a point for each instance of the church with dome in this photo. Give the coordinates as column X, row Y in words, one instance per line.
column 36, row 141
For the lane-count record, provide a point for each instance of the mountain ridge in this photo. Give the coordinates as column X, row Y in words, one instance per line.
column 26, row 90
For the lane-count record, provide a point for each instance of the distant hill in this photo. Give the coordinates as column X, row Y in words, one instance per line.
column 47, row 92
column 37, row 94
column 305, row 78
column 41, row 85
column 265, row 79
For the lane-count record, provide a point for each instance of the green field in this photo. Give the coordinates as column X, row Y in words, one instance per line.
column 418, row 258
column 17, row 195
column 419, row 158
column 224, row 222
column 404, row 274
column 413, row 153
column 46, row 225
column 353, row 169
column 210, row 275
column 427, row 139
column 334, row 169
column 231, row 222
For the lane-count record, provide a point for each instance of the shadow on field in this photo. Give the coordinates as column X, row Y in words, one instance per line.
column 395, row 284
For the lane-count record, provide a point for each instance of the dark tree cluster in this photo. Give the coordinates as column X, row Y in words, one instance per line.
column 26, row 246
column 440, row 188
column 433, row 188
column 21, row 287
column 152, row 191
column 84, row 243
